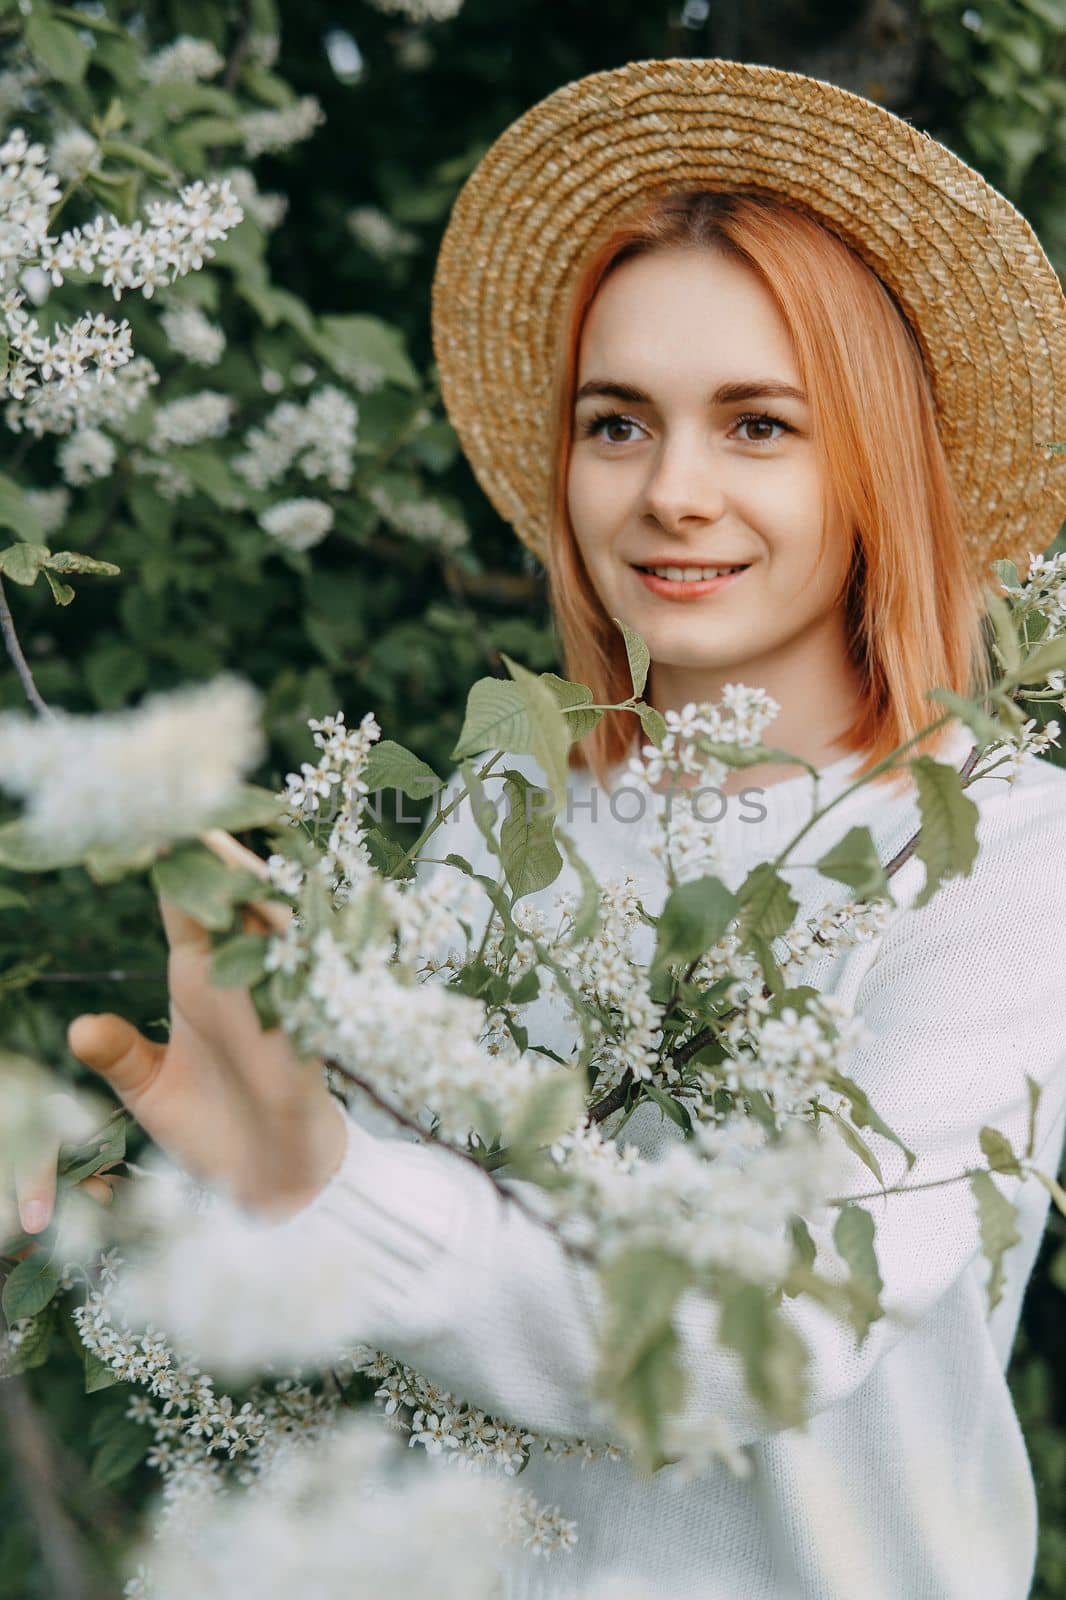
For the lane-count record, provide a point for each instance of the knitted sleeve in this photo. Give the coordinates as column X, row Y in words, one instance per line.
column 961, row 999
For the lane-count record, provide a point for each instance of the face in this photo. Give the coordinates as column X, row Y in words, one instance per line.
column 689, row 453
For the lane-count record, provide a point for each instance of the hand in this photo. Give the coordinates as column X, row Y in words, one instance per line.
column 231, row 1103
column 35, row 1174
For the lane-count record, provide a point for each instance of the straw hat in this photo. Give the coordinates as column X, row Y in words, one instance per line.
column 965, row 266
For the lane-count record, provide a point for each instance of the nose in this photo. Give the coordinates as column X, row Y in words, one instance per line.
column 684, row 484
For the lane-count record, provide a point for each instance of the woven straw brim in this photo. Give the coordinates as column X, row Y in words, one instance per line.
column 967, row 269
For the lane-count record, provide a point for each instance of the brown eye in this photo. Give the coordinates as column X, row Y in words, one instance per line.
column 761, row 420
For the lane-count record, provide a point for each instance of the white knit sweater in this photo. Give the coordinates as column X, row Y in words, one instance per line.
column 911, row 1480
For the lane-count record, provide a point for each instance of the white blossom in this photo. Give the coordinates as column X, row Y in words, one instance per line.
column 299, row 524
column 50, row 506
column 185, row 60
column 421, row 10
column 317, row 438
column 266, row 209
column 425, row 520
column 136, row 778
column 193, row 335
column 375, row 230
column 85, row 455
column 268, row 132
column 74, row 152
column 193, row 418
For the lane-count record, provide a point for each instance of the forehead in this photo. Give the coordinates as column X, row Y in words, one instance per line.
column 672, row 314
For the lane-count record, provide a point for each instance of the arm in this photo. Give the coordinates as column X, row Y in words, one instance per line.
column 961, row 1000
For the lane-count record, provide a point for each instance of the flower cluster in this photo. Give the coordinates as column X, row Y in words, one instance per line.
column 184, row 60
column 268, row 132
column 193, row 418
column 721, row 1201
column 298, row 524
column 379, row 236
column 192, row 335
column 1044, row 590
column 318, row 438
column 425, row 520
column 421, row 10
column 132, row 779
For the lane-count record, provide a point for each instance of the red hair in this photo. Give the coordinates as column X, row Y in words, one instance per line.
column 913, row 603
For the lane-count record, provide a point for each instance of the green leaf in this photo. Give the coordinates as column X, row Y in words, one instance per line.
column 62, row 593
column 773, row 1355
column 1049, row 656
column 16, row 511
column 694, row 918
column 117, row 190
column 12, row 900
column 349, row 339
column 238, row 963
column 104, row 1150
column 996, row 1215
column 653, row 723
column 984, row 727
column 670, row 1107
column 123, row 150
column 1034, row 1091
column 637, row 654
column 210, row 474
column 766, row 906
column 496, row 718
column 392, row 766
column 547, row 1110
column 529, row 854
column 853, row 1235
column 996, row 1148
column 641, row 1288
column 98, row 1375
column 74, row 561
column 22, row 562
column 274, row 305
column 858, row 1145
column 124, row 1448
column 947, row 841
column 32, row 1351
column 652, row 1390
column 864, row 1115
column 854, row 860
column 195, row 880
column 29, row 1287
column 23, row 849
column 1005, row 630
column 571, row 695
column 56, row 46
column 1006, row 571
column 549, row 735
column 249, row 806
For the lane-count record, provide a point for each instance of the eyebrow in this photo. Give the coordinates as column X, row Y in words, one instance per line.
column 726, row 393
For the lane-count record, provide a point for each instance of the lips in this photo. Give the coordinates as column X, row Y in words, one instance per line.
column 675, row 589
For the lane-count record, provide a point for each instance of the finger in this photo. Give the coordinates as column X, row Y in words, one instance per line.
column 230, row 850
column 114, row 1048
column 183, row 931
column 98, row 1188
column 35, row 1189
column 233, row 853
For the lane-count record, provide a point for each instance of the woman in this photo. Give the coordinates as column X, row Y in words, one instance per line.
column 732, row 386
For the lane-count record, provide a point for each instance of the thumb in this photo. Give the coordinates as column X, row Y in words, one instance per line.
column 116, row 1050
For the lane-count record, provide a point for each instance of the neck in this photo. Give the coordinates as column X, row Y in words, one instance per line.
column 812, row 680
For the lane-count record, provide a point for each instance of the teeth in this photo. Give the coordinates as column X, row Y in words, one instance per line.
column 690, row 574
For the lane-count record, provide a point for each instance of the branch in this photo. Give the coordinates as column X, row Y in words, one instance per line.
column 18, row 660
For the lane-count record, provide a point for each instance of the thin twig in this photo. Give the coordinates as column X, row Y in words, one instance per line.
column 18, row 660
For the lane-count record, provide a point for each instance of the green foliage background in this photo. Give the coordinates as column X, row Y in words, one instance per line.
column 373, row 619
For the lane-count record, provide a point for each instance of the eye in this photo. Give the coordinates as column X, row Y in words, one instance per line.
column 763, row 417
column 596, row 426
